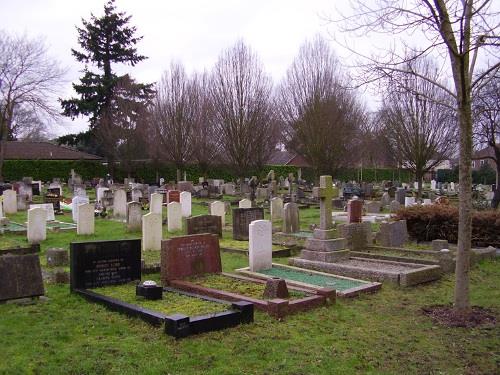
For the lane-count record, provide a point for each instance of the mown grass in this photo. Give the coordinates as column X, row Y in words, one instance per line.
column 383, row 333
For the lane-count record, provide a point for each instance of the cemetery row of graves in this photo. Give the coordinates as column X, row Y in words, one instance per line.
column 188, row 259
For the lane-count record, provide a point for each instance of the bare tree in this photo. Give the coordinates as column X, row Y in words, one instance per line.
column 321, row 118
column 29, row 80
column 487, row 124
column 242, row 108
column 455, row 32
column 419, row 120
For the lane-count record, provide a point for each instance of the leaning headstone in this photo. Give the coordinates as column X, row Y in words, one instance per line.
column 120, row 204
column 276, row 209
column 20, row 273
column 260, row 245
column 85, row 222
column 48, row 207
column 354, row 211
column 395, row 206
column 187, row 256
column 291, row 218
column 174, row 216
column 155, row 203
column 242, row 217
column 185, row 198
column 10, row 201
column 204, row 224
column 217, row 208
column 37, row 225
column 245, row 203
column 151, row 231
column 75, row 202
column 134, row 216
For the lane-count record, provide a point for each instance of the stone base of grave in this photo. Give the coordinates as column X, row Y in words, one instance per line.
column 335, row 244
column 324, row 256
column 324, row 234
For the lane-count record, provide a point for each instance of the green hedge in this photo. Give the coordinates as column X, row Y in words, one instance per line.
column 45, row 170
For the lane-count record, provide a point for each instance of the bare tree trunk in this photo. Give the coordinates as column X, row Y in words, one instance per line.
column 496, row 194
column 419, row 181
column 2, row 155
column 179, row 175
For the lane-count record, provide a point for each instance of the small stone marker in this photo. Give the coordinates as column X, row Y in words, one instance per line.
column 260, row 250
column 395, row 206
column 276, row 209
column 134, row 216
column 37, row 225
column 75, row 202
column 173, row 196
column 242, row 217
column 187, row 256
column 409, row 201
column 48, row 207
column 57, row 257
column 204, row 224
column 291, row 218
column 354, row 211
column 174, row 216
column 85, row 223
column 438, row 245
column 10, row 201
column 217, row 208
column 275, row 288
column 325, row 193
column 155, row 204
column 185, row 199
column 245, row 203
column 120, row 204
column 151, row 231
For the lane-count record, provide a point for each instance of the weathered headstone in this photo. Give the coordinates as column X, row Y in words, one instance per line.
column 358, row 235
column 325, row 193
column 174, row 216
column 75, row 202
column 10, row 201
column 185, row 199
column 386, row 199
column 245, row 203
column 120, row 204
column 85, row 222
column 37, row 225
column 354, row 211
column 291, row 218
column 276, row 209
column 395, row 206
column 136, row 194
column 217, row 208
column 185, row 186
column 400, row 195
column 372, row 207
column 393, row 234
column 57, row 257
column 204, row 224
column 151, row 231
column 260, row 245
column 433, row 184
column 155, row 203
column 48, row 207
column 187, row 256
column 100, row 193
column 134, row 216
column 242, row 217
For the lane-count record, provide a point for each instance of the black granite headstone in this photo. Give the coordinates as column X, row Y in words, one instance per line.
column 101, row 263
column 242, row 217
column 20, row 273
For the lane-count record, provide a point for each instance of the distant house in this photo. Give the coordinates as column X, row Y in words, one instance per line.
column 15, row 150
column 482, row 157
column 288, row 158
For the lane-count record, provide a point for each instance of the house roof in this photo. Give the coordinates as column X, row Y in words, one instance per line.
column 279, row 157
column 15, row 150
column 484, row 153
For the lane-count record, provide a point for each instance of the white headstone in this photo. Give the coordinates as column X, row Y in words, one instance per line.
column 433, row 184
column 85, row 221
column 10, row 201
column 409, row 201
column 136, row 194
column 245, row 203
column 37, row 225
column 155, row 203
column 74, row 206
column 276, row 209
column 1, row 209
column 151, row 231
column 100, row 193
column 174, row 216
column 415, row 185
column 452, row 186
column 218, row 208
column 260, row 245
column 427, row 202
column 134, row 216
column 185, row 198
column 120, row 204
column 48, row 207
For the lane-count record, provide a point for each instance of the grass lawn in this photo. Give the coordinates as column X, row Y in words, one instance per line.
column 383, row 333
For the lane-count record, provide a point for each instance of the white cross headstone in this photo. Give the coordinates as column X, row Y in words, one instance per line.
column 174, row 216
column 245, row 203
column 37, row 225
column 10, row 201
column 155, row 203
column 74, row 206
column 260, row 245
column 185, row 198
column 120, row 204
column 217, row 208
column 85, row 221
column 151, row 231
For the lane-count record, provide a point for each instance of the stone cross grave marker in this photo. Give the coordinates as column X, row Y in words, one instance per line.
column 325, row 193
column 260, row 245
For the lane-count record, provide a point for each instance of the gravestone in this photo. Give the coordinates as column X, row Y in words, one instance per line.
column 136, row 194
column 134, row 216
column 325, row 192
column 262, row 193
column 358, row 235
column 155, row 204
column 27, row 190
column 438, row 245
column 174, row 216
column 120, row 204
column 20, row 273
column 187, row 256
column 245, row 203
column 276, row 209
column 393, row 234
column 53, row 196
column 57, row 257
column 185, row 199
column 100, row 193
column 36, row 187
column 433, row 184
column 291, row 218
column 101, row 263
column 409, row 201
column 229, row 189
column 400, row 195
column 372, row 207
column 386, row 199
column 217, row 208
column 10, row 201
column 151, row 231
column 185, row 186
column 22, row 202
column 173, row 196
column 204, row 224
column 242, row 217
column 49, row 208
column 260, row 250
column 75, row 202
column 37, row 225
column 85, row 221
column 354, row 211
column 395, row 206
